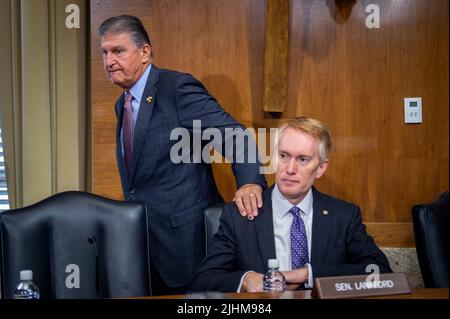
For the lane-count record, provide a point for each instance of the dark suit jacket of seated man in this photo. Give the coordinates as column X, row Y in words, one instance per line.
column 338, row 242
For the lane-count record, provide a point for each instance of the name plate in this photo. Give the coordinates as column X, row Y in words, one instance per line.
column 361, row 286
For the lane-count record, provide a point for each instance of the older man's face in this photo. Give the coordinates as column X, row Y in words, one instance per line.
column 123, row 61
column 299, row 164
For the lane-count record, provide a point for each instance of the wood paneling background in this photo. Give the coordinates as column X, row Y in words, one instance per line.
column 350, row 77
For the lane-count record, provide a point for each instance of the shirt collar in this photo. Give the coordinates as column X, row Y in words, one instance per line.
column 283, row 205
column 138, row 88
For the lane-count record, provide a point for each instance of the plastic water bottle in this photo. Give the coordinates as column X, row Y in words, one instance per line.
column 26, row 289
column 273, row 279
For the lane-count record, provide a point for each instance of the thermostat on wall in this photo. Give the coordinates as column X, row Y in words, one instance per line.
column 413, row 110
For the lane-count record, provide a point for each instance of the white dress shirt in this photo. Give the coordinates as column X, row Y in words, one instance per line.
column 282, row 222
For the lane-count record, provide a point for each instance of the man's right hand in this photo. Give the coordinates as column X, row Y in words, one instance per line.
column 253, row 282
column 248, row 199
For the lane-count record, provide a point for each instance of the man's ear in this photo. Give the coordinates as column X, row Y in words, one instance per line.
column 322, row 168
column 146, row 52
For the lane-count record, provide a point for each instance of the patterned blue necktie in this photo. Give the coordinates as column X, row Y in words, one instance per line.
column 299, row 242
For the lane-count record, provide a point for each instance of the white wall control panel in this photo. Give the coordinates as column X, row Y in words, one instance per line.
column 413, row 110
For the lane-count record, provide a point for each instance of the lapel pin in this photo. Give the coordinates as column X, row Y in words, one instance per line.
column 149, row 99
column 325, row 212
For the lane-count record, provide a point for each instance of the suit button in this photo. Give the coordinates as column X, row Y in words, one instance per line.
column 132, row 191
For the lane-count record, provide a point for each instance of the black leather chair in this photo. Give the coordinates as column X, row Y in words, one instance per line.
column 76, row 238
column 431, row 230
column 212, row 220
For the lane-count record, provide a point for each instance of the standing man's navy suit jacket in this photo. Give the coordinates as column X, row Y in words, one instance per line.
column 340, row 244
column 175, row 193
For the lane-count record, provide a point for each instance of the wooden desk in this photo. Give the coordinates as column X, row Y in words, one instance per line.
column 419, row 293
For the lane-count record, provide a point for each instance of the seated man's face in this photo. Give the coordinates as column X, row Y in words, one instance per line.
column 299, row 164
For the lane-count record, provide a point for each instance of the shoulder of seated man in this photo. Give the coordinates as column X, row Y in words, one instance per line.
column 231, row 211
column 343, row 205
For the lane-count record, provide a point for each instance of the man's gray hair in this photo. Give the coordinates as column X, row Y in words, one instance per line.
column 126, row 24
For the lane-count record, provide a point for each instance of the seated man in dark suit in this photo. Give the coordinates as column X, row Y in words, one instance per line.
column 310, row 233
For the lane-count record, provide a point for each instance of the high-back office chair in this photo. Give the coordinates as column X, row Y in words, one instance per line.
column 432, row 241
column 212, row 220
column 78, row 245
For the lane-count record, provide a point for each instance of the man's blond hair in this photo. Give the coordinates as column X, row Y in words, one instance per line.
column 312, row 127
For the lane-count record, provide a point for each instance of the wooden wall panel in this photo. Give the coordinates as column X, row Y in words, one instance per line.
column 352, row 78
column 392, row 234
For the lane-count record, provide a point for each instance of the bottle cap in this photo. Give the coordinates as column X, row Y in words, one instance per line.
column 273, row 263
column 26, row 275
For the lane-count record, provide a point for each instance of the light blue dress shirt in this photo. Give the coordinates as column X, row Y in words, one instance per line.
column 137, row 91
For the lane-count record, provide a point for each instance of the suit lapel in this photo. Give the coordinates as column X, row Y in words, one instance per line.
column 264, row 229
column 322, row 224
column 144, row 115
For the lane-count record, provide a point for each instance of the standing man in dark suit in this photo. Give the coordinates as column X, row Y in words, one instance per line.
column 310, row 233
column 156, row 103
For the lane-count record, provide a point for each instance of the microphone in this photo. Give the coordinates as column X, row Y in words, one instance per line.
column 93, row 241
